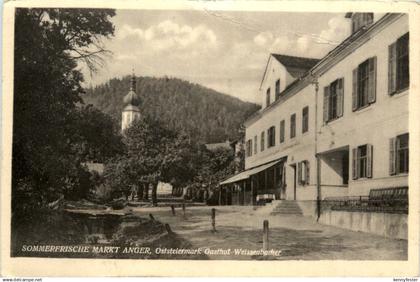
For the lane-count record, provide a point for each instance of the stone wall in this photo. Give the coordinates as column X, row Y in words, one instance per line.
column 384, row 224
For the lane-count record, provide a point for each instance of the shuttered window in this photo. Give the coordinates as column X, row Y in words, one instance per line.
column 282, row 133
column 334, row 100
column 398, row 65
column 255, row 144
column 326, row 103
column 398, row 154
column 364, row 84
column 249, row 148
column 362, row 161
column 303, row 173
column 292, row 125
column 271, row 135
column 262, row 141
column 305, row 119
column 267, row 97
column 277, row 89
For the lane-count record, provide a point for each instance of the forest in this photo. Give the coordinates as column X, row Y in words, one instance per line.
column 203, row 114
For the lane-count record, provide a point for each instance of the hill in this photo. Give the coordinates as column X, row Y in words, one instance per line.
column 206, row 115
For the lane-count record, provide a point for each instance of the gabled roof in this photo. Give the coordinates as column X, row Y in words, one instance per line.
column 296, row 66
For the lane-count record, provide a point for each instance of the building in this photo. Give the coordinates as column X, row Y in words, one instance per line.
column 337, row 126
column 131, row 101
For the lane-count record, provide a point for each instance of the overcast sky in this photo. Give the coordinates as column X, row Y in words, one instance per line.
column 225, row 51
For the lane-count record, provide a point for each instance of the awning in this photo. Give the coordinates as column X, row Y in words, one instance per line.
column 247, row 173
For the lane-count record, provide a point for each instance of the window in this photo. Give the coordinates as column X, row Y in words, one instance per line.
column 360, row 20
column 277, row 89
column 334, row 100
column 293, row 126
column 267, row 97
column 364, row 84
column 262, row 141
column 255, row 144
column 399, row 154
column 305, row 119
column 271, row 135
column 282, row 127
column 303, row 173
column 362, row 161
column 249, row 148
column 398, row 65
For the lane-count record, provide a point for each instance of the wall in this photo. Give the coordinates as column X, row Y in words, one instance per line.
column 128, row 117
column 299, row 148
column 274, row 71
column 375, row 124
column 308, row 208
column 332, row 169
column 384, row 224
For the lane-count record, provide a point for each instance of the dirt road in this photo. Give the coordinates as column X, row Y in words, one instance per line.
column 291, row 237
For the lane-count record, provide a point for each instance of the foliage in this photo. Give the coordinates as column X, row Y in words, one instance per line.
column 205, row 115
column 52, row 130
column 154, row 153
column 216, row 165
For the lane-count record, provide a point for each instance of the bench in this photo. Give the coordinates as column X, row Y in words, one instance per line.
column 396, row 196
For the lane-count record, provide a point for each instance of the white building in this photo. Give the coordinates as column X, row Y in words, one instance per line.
column 131, row 111
column 337, row 126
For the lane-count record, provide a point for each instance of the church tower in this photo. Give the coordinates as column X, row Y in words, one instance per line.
column 131, row 101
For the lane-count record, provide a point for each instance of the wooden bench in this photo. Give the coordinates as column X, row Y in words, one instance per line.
column 396, row 196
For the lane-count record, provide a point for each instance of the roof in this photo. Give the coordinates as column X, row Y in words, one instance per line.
column 131, row 108
column 352, row 38
column 247, row 173
column 215, row 146
column 98, row 167
column 131, row 98
column 296, row 66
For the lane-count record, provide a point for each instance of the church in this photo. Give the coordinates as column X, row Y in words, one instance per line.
column 131, row 111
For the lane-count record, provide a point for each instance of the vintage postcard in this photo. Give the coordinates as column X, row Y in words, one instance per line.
column 188, row 138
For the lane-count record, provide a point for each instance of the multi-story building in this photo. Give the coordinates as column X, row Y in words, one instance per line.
column 337, row 126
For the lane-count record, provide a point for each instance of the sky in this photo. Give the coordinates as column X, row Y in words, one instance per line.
column 225, row 51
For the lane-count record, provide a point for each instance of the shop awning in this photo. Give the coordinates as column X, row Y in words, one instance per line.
column 247, row 173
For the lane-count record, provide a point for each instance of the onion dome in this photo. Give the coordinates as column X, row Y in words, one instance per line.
column 131, row 98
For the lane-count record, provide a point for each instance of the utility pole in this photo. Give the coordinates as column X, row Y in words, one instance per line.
column 314, row 81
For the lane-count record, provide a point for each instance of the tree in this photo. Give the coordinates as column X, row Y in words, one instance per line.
column 215, row 166
column 48, row 150
column 154, row 153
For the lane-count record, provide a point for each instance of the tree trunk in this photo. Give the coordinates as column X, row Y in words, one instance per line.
column 154, row 194
column 140, row 191
column 146, row 191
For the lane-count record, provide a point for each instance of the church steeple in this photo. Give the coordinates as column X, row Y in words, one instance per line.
column 131, row 101
column 133, row 82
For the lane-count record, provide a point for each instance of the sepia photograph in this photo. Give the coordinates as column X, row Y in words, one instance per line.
column 205, row 134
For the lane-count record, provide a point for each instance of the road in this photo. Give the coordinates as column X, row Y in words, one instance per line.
column 291, row 237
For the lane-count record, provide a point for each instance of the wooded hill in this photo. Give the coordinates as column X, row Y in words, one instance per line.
column 206, row 115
